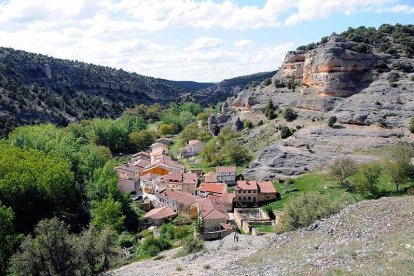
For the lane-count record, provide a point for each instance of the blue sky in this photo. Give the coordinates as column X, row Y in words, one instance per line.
column 186, row 39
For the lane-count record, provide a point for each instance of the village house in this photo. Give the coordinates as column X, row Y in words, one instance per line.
column 226, row 174
column 217, row 189
column 163, row 166
column 192, row 148
column 164, row 140
column 254, row 192
column 128, row 171
column 150, row 184
column 210, row 177
column 142, row 155
column 160, row 215
column 182, row 181
column 127, row 186
column 181, row 202
column 227, row 198
column 214, row 213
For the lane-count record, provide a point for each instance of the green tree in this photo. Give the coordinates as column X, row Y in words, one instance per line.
column 104, row 183
column 368, row 176
column 248, row 124
column 398, row 164
column 154, row 111
column 7, row 237
column 36, row 186
column 167, row 129
column 270, row 110
column 92, row 157
column 342, row 168
column 235, row 153
column 303, row 209
column 51, row 252
column 285, row 132
column 180, row 232
column 331, row 121
column 141, row 140
column 289, row 114
column 107, row 212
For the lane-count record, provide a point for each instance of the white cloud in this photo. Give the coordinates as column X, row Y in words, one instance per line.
column 204, row 43
column 243, row 43
column 118, row 33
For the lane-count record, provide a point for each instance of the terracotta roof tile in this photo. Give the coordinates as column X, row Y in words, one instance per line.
column 160, row 213
column 246, row 185
column 212, row 208
column 217, row 188
column 266, row 187
column 210, row 177
column 181, row 197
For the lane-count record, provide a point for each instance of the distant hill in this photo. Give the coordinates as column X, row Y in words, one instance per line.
column 229, row 87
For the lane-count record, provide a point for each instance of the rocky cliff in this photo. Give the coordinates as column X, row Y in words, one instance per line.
column 365, row 80
column 335, row 69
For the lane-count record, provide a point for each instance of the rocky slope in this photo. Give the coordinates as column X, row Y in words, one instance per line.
column 370, row 90
column 369, row 238
column 39, row 89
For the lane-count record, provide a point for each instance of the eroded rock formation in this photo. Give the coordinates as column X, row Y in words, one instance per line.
column 334, row 68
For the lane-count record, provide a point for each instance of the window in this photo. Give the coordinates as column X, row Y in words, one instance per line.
column 249, row 191
column 244, row 198
column 248, row 198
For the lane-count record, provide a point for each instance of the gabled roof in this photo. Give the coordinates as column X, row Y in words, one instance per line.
column 210, row 177
column 159, row 151
column 180, row 196
column 142, row 163
column 149, row 176
column 212, row 208
column 226, row 197
column 228, row 169
column 141, row 154
column 246, row 185
column 128, row 168
column 160, row 213
column 266, row 187
column 158, row 145
column 217, row 188
column 165, row 141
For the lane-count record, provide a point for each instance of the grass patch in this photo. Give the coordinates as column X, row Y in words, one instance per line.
column 264, row 228
column 311, row 182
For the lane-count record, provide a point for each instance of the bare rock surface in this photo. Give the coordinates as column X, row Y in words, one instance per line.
column 368, row 238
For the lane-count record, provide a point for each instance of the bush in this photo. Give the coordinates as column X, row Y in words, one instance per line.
column 279, row 84
column 393, row 77
column 153, row 246
column 285, row 132
column 270, row 110
column 289, row 114
column 331, row 121
column 411, row 125
column 267, row 82
column 126, row 239
column 193, row 246
column 167, row 129
column 247, row 124
column 382, row 122
column 304, row 209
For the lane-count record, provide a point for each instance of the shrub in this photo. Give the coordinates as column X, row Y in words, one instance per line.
column 267, row 82
column 193, row 246
column 285, row 132
column 126, row 239
column 393, row 77
column 153, row 246
column 382, row 122
column 279, row 84
column 167, row 129
column 247, row 124
column 411, row 125
column 331, row 121
column 270, row 110
column 304, row 209
column 289, row 114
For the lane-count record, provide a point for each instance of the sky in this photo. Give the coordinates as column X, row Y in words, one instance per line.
column 198, row 40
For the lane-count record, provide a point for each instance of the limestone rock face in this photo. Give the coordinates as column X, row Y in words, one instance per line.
column 333, row 69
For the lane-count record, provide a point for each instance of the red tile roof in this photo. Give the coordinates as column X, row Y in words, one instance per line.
column 266, row 187
column 128, row 168
column 180, row 196
column 142, row 163
column 149, row 176
column 141, row 154
column 211, row 208
column 160, row 213
column 229, row 169
column 226, row 197
column 217, row 188
column 210, row 177
column 246, row 185
column 180, row 177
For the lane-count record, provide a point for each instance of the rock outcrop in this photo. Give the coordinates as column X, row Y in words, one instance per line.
column 334, row 69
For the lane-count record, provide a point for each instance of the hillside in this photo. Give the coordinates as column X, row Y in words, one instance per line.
column 364, row 77
column 368, row 238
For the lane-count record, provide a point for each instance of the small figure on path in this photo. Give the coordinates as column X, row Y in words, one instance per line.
column 235, row 238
